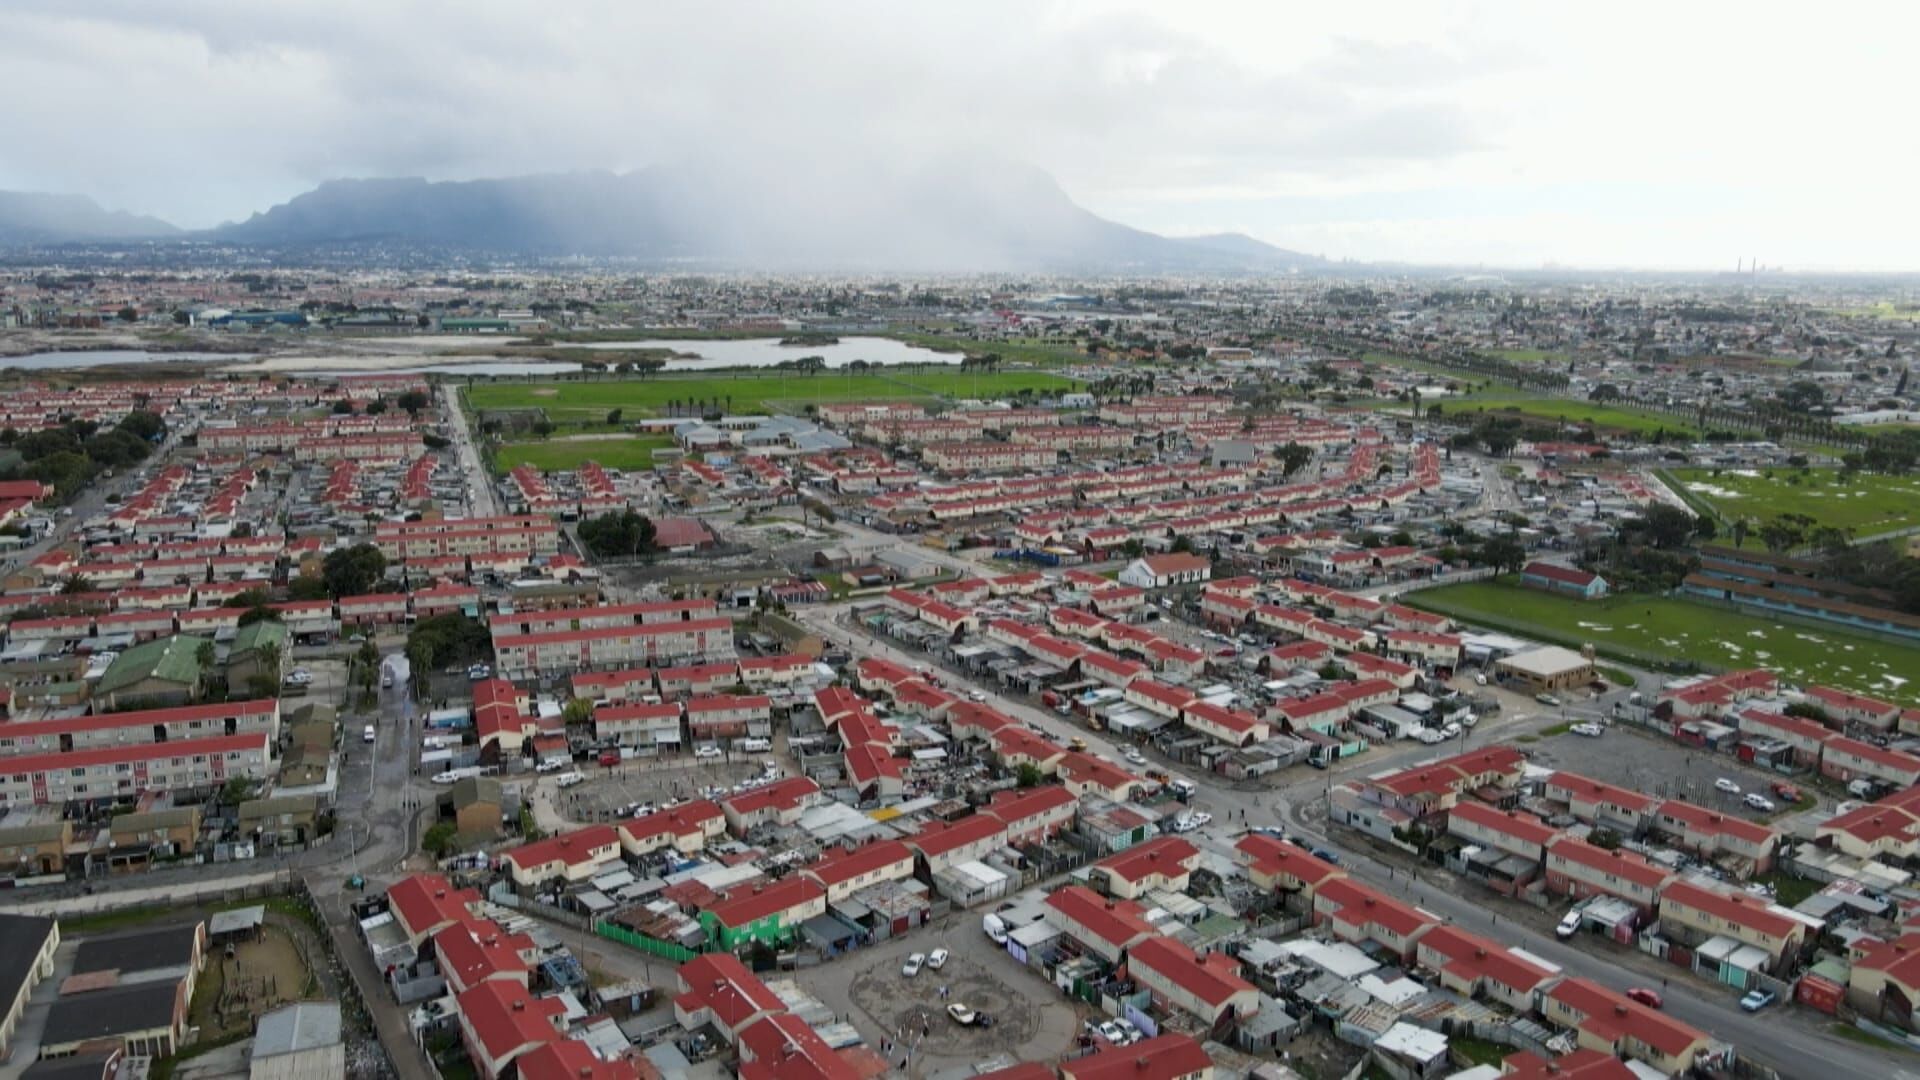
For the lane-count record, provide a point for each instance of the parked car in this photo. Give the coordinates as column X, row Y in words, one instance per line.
column 1200, row 818
column 913, row 965
column 609, row 758
column 1131, row 1033
column 568, row 779
column 1787, row 792
column 1726, row 785
column 1547, row 699
column 299, row 677
column 1591, row 731
column 1759, row 801
column 1326, row 855
column 961, row 1014
column 1757, row 1000
column 368, row 735
column 1134, row 755
column 937, row 959
column 1569, row 925
column 706, row 750
column 479, row 671
column 1450, row 731
column 1646, row 996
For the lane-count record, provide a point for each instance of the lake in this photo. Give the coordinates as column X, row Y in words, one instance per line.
column 709, row 355
column 766, row 352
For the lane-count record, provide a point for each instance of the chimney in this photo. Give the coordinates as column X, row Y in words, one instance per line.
column 520, row 1005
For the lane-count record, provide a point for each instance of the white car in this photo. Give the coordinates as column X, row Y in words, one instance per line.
column 1569, row 926
column 937, row 959
column 913, row 965
column 976, row 695
column 1591, row 731
column 706, row 750
column 299, row 677
column 1135, row 756
column 568, row 779
column 1133, row 1034
column 1726, row 785
column 1429, row 736
column 1450, row 731
column 1200, row 818
column 1759, row 802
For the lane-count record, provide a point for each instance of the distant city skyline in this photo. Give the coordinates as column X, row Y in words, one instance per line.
column 1498, row 134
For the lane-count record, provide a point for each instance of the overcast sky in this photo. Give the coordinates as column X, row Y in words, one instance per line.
column 1673, row 134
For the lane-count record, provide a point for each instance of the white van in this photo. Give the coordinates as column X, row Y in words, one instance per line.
column 568, row 779
column 995, row 927
column 367, row 735
column 755, row 746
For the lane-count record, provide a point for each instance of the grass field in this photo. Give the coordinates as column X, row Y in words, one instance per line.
column 1650, row 628
column 1527, row 356
column 565, row 455
column 1867, row 503
column 1603, row 417
column 591, row 400
column 1014, row 351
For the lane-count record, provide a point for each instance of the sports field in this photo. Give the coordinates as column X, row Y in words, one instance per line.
column 741, row 393
column 1656, row 628
column 565, row 455
column 1528, row 356
column 1867, row 503
column 1602, row 417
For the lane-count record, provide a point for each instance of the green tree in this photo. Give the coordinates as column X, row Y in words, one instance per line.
column 75, row 584
column 1027, row 774
column 412, row 402
column 343, row 407
column 622, row 534
column 1292, row 457
column 307, row 587
column 353, row 571
column 613, row 417
column 438, row 841
column 143, row 424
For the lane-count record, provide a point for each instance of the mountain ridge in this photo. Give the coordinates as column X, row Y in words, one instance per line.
column 961, row 215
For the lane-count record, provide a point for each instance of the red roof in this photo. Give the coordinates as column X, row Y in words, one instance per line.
column 727, row 703
column 114, row 755
column 1213, row 978
column 847, row 865
column 1167, row 856
column 507, row 1019
column 744, row 905
column 1627, row 865
column 721, row 983
column 683, row 820
column 425, row 903
column 1579, row 1065
column 1611, row 1017
column 471, row 950
column 939, row 837
column 1555, row 572
column 571, row 1059
column 1713, row 823
column 1471, row 957
column 1015, row 806
column 779, row 795
column 1601, row 791
column 785, row 1047
column 1524, row 827
column 1271, row 855
column 1116, row 923
column 1166, row 1057
column 1730, row 908
column 570, row 848
column 1360, row 905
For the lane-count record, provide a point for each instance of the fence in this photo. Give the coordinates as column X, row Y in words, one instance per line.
column 666, row 950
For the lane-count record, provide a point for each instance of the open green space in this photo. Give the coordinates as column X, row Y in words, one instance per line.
column 1527, row 356
column 591, row 400
column 1036, row 351
column 1867, row 503
column 1667, row 631
column 566, row 455
column 1568, row 410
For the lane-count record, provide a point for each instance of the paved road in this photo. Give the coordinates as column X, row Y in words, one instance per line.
column 1779, row 1038
column 467, row 454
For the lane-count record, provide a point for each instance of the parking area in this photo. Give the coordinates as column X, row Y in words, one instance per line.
column 1651, row 763
column 1031, row 1020
column 607, row 791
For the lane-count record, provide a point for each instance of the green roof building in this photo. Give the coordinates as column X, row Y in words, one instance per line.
column 161, row 673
